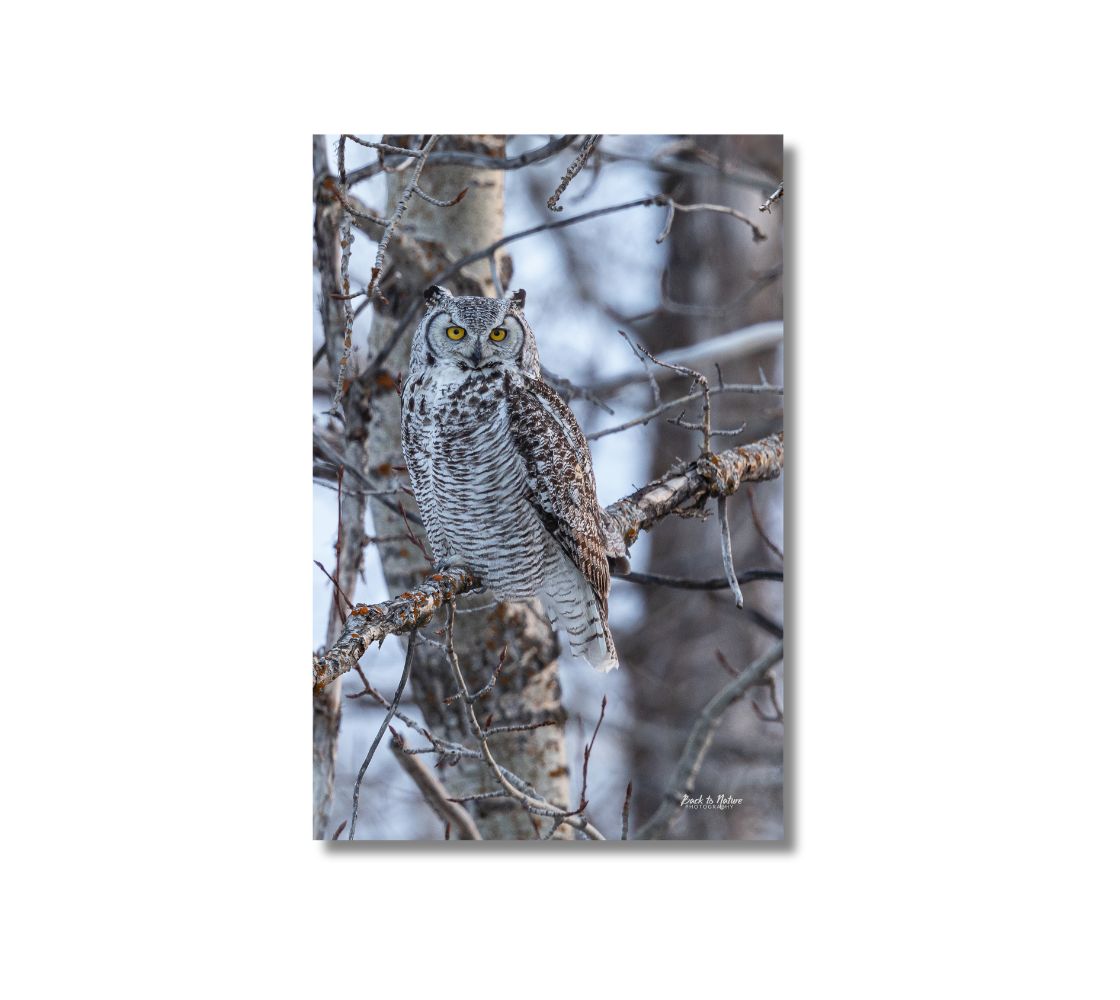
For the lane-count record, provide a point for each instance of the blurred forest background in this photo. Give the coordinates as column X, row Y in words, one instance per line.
column 713, row 274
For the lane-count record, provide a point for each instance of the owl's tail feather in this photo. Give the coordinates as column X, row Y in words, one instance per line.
column 576, row 609
column 600, row 651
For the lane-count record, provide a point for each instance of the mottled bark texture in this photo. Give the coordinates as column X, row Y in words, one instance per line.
column 351, row 539
column 529, row 689
column 684, row 491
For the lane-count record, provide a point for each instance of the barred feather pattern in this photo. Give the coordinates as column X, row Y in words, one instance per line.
column 502, row 472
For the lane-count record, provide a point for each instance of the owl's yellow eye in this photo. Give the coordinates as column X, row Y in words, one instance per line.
column 498, row 335
column 456, row 332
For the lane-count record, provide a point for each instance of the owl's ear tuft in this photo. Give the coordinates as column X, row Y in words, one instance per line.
column 518, row 298
column 433, row 294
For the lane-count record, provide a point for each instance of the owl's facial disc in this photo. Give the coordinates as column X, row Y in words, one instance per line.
column 470, row 342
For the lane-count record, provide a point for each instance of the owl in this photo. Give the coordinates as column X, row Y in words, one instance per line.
column 501, row 470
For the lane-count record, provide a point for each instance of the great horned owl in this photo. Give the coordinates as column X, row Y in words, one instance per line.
column 501, row 470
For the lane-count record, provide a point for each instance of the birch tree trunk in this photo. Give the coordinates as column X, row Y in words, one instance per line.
column 528, row 690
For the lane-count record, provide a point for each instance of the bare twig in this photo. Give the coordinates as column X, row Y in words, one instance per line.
column 682, row 491
column 452, row 269
column 699, row 739
column 402, row 204
column 648, row 365
column 381, row 732
column 738, row 343
column 669, row 216
column 758, row 526
column 530, row 803
column 445, row 203
column 384, row 702
column 707, row 168
column 383, row 147
column 519, row 727
column 447, row 751
column 725, row 545
column 465, row 159
column 496, row 276
column 715, row 583
column 760, row 281
column 434, row 792
column 690, row 425
column 483, row 691
column 645, row 418
column 338, row 546
column 778, row 716
column 676, row 206
column 705, row 391
column 722, row 661
column 776, row 196
column 479, row 795
column 626, row 811
column 576, row 166
column 351, row 205
column 550, row 148
column 587, row 756
column 412, row 534
column 338, row 591
column 764, row 622
column 381, row 494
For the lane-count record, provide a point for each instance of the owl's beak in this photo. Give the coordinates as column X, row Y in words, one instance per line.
column 476, row 354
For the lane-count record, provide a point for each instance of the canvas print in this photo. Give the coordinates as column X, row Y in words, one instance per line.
column 548, row 451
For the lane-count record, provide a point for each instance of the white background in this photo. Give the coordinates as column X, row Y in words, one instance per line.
column 952, row 673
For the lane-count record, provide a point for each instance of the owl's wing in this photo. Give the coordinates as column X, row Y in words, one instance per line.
column 561, row 482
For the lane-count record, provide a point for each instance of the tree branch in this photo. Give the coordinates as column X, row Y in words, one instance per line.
column 686, row 490
column 699, row 739
column 681, row 491
column 460, row 158
column 452, row 269
column 685, row 583
column 675, row 206
column 530, row 802
column 402, row 204
column 569, row 175
column 725, row 545
column 434, row 792
column 674, row 404
column 738, row 343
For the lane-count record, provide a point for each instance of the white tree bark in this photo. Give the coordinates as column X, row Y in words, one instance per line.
column 529, row 690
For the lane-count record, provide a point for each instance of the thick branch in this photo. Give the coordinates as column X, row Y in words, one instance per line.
column 370, row 623
column 689, row 488
column 679, row 492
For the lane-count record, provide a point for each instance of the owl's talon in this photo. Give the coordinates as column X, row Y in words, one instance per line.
column 450, row 563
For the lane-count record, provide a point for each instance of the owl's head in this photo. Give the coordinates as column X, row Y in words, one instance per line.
column 472, row 333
